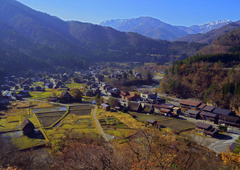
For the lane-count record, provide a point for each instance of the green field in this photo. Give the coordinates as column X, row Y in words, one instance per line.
column 74, row 85
column 43, row 95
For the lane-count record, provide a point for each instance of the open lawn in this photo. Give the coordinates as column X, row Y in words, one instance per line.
column 144, row 117
column 43, row 95
column 177, row 124
column 80, row 112
column 74, row 85
column 49, row 120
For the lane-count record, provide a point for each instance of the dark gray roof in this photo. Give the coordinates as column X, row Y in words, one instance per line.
column 229, row 118
column 233, row 146
column 192, row 112
column 151, row 121
column 104, row 105
column 221, row 111
column 203, row 125
column 208, row 108
column 208, row 114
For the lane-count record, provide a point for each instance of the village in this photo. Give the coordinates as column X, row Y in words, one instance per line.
column 77, row 102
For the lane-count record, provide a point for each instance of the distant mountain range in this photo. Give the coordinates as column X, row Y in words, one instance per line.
column 157, row 29
column 211, row 35
column 41, row 38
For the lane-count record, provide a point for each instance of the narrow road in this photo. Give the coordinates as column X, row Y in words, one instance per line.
column 98, row 125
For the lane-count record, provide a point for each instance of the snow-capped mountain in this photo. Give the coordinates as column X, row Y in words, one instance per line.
column 147, row 26
column 155, row 28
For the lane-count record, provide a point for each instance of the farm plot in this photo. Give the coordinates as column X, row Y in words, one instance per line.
column 6, row 126
column 45, row 114
column 81, row 112
column 83, row 107
column 48, row 120
column 177, row 124
column 50, row 109
column 144, row 117
column 111, row 122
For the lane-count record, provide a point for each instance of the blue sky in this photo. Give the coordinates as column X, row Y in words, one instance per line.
column 175, row 12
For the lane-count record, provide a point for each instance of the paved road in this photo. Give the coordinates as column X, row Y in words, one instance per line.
column 222, row 145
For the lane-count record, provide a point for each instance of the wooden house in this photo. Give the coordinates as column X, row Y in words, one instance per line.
column 65, row 96
column 209, row 116
column 188, row 104
column 124, row 94
column 229, row 120
column 147, row 108
column 133, row 97
column 206, row 129
column 135, row 106
column 165, row 112
column 193, row 114
column 27, row 127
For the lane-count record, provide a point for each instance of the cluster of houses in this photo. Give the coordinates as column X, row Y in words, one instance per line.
column 216, row 115
column 198, row 110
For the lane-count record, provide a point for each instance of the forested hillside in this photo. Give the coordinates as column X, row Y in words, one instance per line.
column 211, row 78
column 59, row 43
column 227, row 43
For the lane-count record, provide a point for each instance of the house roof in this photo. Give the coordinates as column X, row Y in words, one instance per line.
column 134, row 106
column 229, row 118
column 27, row 123
column 104, row 105
column 151, row 121
column 147, row 107
column 233, row 146
column 192, row 112
column 165, row 106
column 221, row 111
column 124, row 93
column 201, row 106
column 209, row 108
column 208, row 114
column 203, row 125
column 190, row 103
column 164, row 110
column 65, row 92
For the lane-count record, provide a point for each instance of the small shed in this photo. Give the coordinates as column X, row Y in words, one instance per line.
column 105, row 106
column 166, row 112
column 203, row 126
column 27, row 127
column 152, row 122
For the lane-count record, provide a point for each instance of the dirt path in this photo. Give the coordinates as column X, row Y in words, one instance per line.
column 106, row 137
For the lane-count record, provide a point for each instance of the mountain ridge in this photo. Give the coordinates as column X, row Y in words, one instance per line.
column 147, row 26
